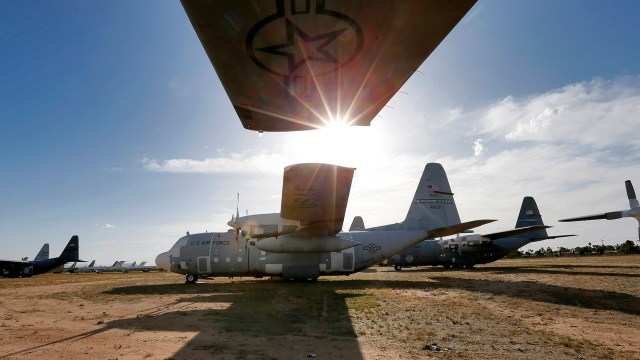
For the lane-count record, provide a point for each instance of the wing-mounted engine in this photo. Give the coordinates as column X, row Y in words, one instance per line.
column 264, row 225
column 467, row 243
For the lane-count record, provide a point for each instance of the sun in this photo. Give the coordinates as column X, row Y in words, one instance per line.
column 337, row 143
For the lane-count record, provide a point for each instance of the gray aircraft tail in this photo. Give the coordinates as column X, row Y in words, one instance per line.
column 357, row 224
column 71, row 252
column 530, row 216
column 43, row 254
column 432, row 205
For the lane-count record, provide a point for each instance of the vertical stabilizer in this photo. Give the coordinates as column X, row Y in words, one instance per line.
column 432, row 205
column 43, row 254
column 530, row 216
column 71, row 252
column 357, row 224
column 631, row 194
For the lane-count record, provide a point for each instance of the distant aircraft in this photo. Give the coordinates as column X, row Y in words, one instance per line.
column 305, row 240
column 291, row 65
column 117, row 266
column 633, row 212
column 143, row 267
column 18, row 268
column 470, row 250
column 84, row 269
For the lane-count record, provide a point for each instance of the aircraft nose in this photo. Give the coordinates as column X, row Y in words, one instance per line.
column 162, row 261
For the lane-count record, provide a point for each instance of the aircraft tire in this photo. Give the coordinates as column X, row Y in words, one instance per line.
column 191, row 279
column 311, row 279
column 397, row 267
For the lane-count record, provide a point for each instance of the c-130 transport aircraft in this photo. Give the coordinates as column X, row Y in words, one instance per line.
column 42, row 263
column 304, row 240
column 470, row 250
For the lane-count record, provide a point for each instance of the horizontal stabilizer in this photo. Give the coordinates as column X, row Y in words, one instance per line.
column 456, row 229
column 514, row 232
column 550, row 237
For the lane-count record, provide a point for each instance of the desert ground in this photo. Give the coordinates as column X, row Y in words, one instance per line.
column 551, row 308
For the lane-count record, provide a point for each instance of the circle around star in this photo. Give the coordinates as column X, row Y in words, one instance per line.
column 304, row 42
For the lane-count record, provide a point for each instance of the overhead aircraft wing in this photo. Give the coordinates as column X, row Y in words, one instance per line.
column 291, row 65
column 316, row 195
column 514, row 232
column 456, row 229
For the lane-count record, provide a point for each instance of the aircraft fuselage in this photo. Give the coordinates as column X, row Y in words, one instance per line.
column 431, row 252
column 228, row 254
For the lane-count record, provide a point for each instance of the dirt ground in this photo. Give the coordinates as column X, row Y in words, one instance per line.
column 562, row 308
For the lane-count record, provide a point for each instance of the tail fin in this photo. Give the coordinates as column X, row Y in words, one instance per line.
column 631, row 194
column 93, row 262
column 71, row 252
column 432, row 205
column 43, row 254
column 143, row 263
column 530, row 216
column 357, row 224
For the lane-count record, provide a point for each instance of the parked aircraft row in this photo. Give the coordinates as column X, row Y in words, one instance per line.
column 41, row 263
column 304, row 240
column 117, row 266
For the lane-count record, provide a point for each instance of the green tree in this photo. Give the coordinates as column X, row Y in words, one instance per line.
column 628, row 247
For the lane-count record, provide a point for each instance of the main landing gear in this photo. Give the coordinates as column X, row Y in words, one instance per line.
column 191, row 279
column 397, row 267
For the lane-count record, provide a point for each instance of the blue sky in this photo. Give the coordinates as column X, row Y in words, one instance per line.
column 114, row 126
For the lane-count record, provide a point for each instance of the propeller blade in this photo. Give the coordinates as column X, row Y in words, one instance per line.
column 237, row 205
column 615, row 215
column 631, row 194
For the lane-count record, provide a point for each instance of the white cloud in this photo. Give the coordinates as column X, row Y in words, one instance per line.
column 539, row 123
column 232, row 163
column 595, row 113
column 109, row 226
column 478, row 148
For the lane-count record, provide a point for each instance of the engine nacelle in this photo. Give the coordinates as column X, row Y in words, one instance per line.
column 466, row 243
column 264, row 225
column 288, row 244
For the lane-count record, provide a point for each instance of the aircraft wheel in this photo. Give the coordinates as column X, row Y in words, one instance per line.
column 311, row 279
column 191, row 279
column 397, row 267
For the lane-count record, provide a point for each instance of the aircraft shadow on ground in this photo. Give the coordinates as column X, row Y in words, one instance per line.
column 254, row 319
column 259, row 318
column 542, row 269
column 540, row 292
